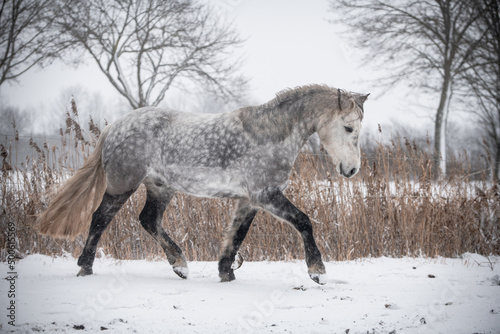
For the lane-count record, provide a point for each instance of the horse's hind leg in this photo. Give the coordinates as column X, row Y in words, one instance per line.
column 151, row 218
column 101, row 218
column 273, row 200
column 235, row 235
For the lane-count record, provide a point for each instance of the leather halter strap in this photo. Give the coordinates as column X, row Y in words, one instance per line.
column 338, row 95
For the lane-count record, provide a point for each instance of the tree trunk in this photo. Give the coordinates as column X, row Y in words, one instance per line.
column 496, row 166
column 440, row 126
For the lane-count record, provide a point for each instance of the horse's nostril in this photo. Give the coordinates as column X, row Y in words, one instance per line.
column 352, row 172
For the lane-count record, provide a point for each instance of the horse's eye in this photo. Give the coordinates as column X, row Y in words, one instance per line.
column 348, row 129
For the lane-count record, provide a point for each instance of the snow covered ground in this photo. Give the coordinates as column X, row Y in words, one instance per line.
column 379, row 295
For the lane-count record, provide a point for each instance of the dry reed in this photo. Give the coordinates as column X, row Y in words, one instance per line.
column 394, row 207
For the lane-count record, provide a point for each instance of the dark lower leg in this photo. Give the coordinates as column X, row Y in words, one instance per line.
column 235, row 235
column 276, row 203
column 101, row 218
column 151, row 219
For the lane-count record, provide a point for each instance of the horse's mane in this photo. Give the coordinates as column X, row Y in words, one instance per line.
column 292, row 94
column 274, row 120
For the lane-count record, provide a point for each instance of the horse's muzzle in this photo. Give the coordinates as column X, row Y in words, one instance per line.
column 347, row 173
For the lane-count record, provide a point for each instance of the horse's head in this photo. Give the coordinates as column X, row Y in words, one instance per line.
column 340, row 134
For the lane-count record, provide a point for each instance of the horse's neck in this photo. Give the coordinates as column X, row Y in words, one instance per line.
column 289, row 121
column 302, row 116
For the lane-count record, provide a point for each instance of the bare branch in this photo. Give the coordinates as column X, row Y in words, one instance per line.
column 143, row 47
column 26, row 37
column 424, row 43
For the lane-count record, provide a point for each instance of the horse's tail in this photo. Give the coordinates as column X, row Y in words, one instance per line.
column 70, row 211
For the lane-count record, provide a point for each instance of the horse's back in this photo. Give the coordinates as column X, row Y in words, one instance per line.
column 211, row 155
column 155, row 141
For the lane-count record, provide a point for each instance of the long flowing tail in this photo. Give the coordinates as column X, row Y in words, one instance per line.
column 70, row 211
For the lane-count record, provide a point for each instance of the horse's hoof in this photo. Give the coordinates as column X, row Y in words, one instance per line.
column 317, row 272
column 227, row 277
column 182, row 272
column 318, row 278
column 85, row 272
column 238, row 261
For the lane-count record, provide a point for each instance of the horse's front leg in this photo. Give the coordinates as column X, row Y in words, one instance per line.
column 235, row 234
column 273, row 200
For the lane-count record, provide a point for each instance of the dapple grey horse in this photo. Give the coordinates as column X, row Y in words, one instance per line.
column 246, row 154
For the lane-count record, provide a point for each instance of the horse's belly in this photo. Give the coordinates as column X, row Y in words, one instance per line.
column 206, row 182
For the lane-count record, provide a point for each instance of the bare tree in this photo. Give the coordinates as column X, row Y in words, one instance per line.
column 145, row 47
column 425, row 43
column 483, row 76
column 26, row 36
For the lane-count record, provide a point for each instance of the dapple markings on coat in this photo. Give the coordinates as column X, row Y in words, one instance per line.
column 246, row 154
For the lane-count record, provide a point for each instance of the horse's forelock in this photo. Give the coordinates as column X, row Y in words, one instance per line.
column 355, row 111
column 360, row 113
column 354, row 106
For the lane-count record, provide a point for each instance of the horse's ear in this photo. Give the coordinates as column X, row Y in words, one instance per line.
column 362, row 98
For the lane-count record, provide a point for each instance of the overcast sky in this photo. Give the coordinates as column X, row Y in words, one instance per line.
column 288, row 43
